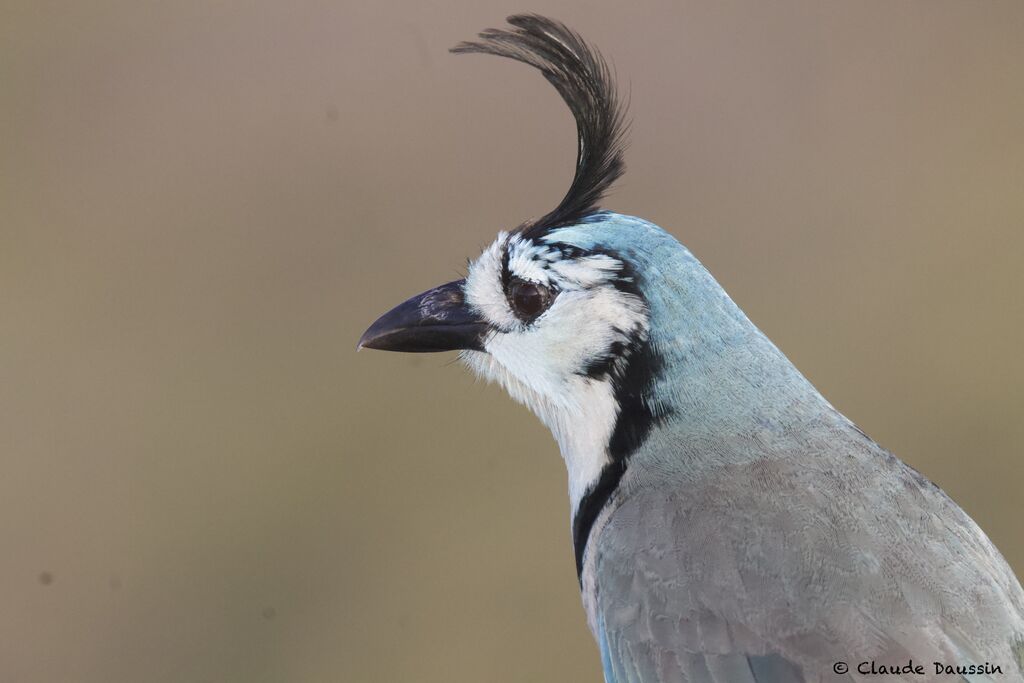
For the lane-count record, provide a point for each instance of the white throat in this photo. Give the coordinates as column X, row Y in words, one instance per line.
column 581, row 414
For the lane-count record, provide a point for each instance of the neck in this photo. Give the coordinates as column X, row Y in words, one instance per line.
column 746, row 391
column 583, row 428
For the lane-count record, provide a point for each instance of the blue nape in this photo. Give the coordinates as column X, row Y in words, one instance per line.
column 720, row 373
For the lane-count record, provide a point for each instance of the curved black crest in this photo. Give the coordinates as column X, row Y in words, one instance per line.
column 582, row 78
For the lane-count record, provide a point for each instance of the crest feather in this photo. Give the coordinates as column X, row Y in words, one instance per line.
column 583, row 79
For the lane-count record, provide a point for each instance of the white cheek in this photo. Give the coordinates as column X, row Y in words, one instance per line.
column 558, row 346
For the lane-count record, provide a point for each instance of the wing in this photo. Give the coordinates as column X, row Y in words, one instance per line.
column 775, row 570
column 646, row 662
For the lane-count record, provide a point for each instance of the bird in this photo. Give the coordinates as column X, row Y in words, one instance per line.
column 729, row 524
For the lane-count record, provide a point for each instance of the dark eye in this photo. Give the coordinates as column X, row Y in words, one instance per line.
column 528, row 299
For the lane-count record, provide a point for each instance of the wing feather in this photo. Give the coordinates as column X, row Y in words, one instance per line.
column 772, row 571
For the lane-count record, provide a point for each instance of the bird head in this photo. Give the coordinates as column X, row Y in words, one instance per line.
column 549, row 310
column 602, row 323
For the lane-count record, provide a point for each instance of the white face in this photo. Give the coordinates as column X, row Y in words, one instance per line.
column 563, row 359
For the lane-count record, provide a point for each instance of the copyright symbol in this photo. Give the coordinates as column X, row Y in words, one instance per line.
column 840, row 668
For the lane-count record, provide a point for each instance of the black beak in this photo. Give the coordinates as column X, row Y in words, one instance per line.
column 436, row 320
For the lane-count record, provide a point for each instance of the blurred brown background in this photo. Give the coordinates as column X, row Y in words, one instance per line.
column 203, row 204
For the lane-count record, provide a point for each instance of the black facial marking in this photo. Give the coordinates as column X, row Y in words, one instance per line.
column 632, row 369
column 506, row 272
column 568, row 251
column 636, row 415
column 603, row 365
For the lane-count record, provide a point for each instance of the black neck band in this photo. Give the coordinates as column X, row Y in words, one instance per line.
column 632, row 426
